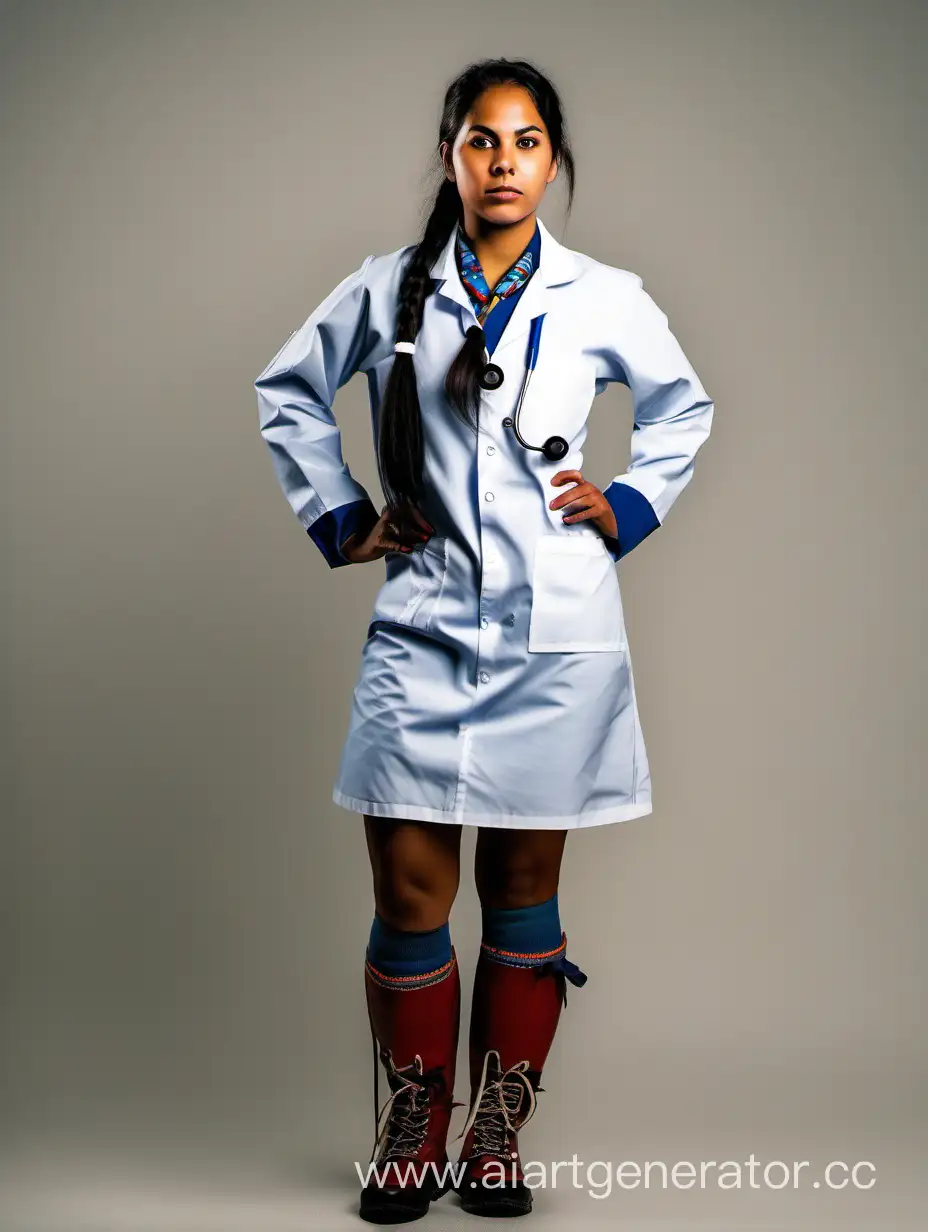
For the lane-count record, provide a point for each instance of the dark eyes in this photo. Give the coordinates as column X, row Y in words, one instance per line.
column 531, row 140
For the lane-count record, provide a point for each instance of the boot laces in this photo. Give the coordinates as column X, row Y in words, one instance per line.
column 405, row 1112
column 497, row 1103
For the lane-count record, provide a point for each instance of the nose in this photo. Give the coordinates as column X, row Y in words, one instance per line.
column 504, row 162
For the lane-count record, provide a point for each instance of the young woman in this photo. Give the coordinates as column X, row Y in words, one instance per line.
column 495, row 687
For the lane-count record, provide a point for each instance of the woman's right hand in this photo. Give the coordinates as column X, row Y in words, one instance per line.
column 393, row 531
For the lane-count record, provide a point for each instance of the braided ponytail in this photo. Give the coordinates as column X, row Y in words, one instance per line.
column 400, row 451
column 400, row 446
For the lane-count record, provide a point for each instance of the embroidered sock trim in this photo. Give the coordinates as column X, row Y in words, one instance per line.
column 410, row 981
column 515, row 959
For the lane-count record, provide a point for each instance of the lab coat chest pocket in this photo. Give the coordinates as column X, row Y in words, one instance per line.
column 576, row 601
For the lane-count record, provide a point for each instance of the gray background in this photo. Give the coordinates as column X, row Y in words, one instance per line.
column 184, row 909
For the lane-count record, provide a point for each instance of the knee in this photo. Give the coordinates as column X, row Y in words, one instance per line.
column 520, row 884
column 413, row 902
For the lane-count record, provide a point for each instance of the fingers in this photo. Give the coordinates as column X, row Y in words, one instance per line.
column 572, row 494
column 387, row 538
column 580, row 511
column 407, row 526
column 580, row 503
column 390, row 539
column 401, row 535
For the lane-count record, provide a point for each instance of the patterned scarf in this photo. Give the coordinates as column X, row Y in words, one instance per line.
column 473, row 278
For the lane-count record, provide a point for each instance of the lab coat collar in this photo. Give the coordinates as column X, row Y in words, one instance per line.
column 556, row 265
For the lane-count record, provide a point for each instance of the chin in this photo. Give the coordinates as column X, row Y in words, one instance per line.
column 505, row 211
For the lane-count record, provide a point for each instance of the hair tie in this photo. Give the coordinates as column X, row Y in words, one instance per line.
column 407, row 347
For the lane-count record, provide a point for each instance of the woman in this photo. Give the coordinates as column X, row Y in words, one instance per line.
column 495, row 686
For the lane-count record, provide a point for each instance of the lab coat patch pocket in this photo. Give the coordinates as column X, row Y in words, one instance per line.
column 427, row 566
column 576, row 602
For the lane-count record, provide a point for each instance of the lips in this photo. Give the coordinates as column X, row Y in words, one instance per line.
column 492, row 192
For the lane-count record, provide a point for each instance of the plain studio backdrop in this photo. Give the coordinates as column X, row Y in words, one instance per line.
column 185, row 910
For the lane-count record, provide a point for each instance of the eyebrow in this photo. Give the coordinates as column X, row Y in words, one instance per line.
column 482, row 128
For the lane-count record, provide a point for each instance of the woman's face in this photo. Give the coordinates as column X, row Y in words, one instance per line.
column 503, row 143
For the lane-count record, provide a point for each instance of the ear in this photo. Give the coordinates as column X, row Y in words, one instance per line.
column 447, row 164
column 552, row 171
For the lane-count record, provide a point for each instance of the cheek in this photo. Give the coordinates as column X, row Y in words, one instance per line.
column 537, row 175
column 470, row 173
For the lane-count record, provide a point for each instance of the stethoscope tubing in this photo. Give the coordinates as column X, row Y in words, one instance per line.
column 534, row 340
column 555, row 447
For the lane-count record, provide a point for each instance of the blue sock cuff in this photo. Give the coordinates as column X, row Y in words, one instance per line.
column 523, row 930
column 396, row 951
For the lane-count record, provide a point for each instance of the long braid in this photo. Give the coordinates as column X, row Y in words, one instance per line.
column 400, row 450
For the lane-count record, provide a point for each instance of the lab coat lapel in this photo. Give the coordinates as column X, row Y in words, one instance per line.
column 451, row 287
column 556, row 265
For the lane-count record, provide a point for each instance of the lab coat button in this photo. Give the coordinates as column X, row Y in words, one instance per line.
column 491, row 449
column 489, row 496
column 507, row 422
column 484, row 623
column 484, row 677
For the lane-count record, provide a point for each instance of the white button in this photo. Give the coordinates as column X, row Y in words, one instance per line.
column 491, row 449
column 484, row 677
column 489, row 496
column 484, row 623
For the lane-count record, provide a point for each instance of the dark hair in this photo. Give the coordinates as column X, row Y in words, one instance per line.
column 400, row 446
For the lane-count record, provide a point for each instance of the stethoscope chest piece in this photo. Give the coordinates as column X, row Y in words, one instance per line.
column 491, row 377
column 555, row 448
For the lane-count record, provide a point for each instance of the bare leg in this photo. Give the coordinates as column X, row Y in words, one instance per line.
column 517, row 868
column 416, row 867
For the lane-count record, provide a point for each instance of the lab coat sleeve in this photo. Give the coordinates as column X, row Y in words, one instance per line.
column 672, row 418
column 295, row 395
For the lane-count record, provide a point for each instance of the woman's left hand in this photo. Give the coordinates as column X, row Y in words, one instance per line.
column 586, row 502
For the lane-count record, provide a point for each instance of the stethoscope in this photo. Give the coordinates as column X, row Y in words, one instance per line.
column 555, row 447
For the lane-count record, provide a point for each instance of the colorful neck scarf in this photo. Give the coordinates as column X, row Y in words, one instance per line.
column 472, row 276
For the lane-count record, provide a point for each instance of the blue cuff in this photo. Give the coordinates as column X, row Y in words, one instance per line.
column 635, row 519
column 331, row 530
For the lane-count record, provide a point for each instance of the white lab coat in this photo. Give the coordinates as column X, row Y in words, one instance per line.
column 495, row 686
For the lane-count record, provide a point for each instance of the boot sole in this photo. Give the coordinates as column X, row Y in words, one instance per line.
column 494, row 1203
column 377, row 1207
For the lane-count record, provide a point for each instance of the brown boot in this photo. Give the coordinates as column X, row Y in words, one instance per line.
column 514, row 1017
column 415, row 1020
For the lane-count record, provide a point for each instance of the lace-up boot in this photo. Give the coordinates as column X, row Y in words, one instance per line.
column 517, row 1001
column 414, row 1025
